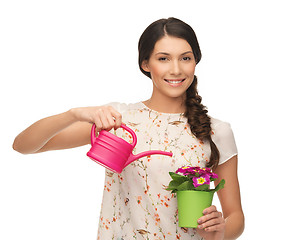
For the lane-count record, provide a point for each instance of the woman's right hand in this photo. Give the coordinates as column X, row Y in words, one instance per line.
column 104, row 117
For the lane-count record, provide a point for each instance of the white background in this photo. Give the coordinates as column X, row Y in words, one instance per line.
column 59, row 54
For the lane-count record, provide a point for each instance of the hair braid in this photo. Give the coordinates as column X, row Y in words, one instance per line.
column 199, row 121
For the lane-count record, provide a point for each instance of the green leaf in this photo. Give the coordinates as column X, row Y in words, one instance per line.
column 178, row 177
column 170, row 188
column 219, row 186
column 173, row 185
column 204, row 187
column 187, row 185
column 212, row 179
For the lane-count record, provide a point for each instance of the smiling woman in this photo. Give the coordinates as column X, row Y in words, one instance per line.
column 136, row 202
column 171, row 67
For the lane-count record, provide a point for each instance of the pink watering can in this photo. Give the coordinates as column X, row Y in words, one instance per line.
column 115, row 153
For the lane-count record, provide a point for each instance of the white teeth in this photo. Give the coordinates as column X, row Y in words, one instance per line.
column 175, row 82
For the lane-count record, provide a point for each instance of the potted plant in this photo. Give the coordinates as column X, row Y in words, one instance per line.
column 192, row 186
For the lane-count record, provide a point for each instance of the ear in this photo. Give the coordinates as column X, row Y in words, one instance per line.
column 145, row 66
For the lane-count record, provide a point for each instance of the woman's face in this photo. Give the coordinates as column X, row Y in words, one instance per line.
column 172, row 67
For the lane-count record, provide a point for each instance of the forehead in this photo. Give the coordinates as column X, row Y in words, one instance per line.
column 171, row 45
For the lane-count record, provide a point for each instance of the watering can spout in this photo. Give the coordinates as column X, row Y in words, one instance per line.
column 133, row 157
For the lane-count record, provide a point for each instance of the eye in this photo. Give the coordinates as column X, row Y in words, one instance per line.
column 186, row 58
column 162, row 59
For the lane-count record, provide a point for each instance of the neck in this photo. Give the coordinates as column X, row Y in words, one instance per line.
column 166, row 105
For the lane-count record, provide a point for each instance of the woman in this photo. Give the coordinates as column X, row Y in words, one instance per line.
column 135, row 203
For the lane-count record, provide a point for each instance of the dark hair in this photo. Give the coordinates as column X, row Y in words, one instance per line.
column 196, row 113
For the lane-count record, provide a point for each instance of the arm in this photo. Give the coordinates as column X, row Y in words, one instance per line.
column 66, row 130
column 230, row 199
column 230, row 224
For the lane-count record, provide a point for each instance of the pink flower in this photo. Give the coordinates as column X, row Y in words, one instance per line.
column 198, row 181
column 214, row 175
column 186, row 170
column 182, row 170
column 208, row 172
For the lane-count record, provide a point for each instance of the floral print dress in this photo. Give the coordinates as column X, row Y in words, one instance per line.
column 135, row 204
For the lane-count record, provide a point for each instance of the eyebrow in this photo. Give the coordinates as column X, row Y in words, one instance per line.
column 165, row 53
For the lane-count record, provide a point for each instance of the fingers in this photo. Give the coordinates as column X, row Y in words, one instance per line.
column 117, row 118
column 107, row 118
column 104, row 117
column 209, row 210
column 212, row 220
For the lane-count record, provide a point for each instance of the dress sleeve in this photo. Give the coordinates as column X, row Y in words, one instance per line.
column 224, row 139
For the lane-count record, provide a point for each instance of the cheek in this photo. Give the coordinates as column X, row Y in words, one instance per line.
column 158, row 70
column 190, row 69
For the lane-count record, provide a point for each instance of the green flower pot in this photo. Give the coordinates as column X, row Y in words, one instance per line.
column 191, row 205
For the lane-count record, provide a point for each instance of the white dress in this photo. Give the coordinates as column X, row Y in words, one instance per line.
column 135, row 204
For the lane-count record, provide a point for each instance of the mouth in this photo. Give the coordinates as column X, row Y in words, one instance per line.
column 175, row 82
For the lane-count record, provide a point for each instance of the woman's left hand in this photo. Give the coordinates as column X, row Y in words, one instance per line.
column 212, row 224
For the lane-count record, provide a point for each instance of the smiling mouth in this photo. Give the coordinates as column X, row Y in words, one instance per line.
column 174, row 81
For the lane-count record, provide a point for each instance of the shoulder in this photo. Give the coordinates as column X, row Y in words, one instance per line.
column 223, row 137
column 222, row 132
column 220, row 128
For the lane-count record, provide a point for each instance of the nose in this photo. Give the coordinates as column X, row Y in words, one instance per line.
column 175, row 68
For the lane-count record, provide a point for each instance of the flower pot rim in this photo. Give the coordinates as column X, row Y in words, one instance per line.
column 195, row 191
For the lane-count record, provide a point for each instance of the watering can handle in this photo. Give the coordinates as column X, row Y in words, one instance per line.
column 134, row 137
